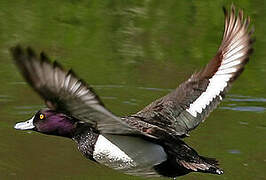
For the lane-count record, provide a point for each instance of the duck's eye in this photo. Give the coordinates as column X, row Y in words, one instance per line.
column 41, row 116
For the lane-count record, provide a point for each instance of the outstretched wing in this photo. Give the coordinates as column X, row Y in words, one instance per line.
column 186, row 107
column 63, row 91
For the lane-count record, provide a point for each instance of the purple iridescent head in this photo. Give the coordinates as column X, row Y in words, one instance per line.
column 49, row 122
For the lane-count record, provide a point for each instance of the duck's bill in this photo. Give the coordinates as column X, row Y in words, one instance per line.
column 26, row 125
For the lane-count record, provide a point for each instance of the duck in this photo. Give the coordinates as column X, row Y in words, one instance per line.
column 149, row 143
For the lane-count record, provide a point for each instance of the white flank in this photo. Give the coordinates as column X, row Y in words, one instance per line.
column 131, row 155
column 107, row 153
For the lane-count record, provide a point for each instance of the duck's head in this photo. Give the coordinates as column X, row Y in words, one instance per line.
column 49, row 122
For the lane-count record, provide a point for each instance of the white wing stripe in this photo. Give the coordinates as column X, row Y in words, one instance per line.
column 230, row 64
column 216, row 86
column 234, row 57
column 226, row 71
column 234, row 50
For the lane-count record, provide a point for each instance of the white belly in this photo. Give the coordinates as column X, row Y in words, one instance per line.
column 131, row 155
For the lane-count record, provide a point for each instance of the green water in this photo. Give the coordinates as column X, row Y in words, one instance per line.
column 131, row 52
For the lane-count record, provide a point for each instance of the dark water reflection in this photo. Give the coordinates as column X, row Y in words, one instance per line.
column 131, row 52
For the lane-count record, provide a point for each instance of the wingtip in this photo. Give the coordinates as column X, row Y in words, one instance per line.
column 16, row 50
column 233, row 7
column 225, row 10
column 252, row 40
column 57, row 65
column 252, row 30
column 241, row 15
column 233, row 11
column 219, row 171
column 44, row 57
column 30, row 52
column 71, row 72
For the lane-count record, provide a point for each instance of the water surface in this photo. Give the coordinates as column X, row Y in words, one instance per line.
column 131, row 52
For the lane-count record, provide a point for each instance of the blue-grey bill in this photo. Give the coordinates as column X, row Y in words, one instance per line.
column 26, row 125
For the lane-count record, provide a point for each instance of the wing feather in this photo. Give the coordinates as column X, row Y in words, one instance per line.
column 63, row 91
column 186, row 107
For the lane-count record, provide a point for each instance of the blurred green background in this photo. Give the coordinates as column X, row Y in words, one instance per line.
column 131, row 52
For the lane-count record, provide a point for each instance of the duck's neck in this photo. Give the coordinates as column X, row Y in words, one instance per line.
column 86, row 138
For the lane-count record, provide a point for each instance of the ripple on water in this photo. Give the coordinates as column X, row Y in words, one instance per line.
column 123, row 86
column 247, row 108
column 108, row 86
column 234, row 151
column 5, row 98
column 130, row 103
column 245, row 103
column 21, row 110
column 233, row 102
column 18, row 83
column 154, row 89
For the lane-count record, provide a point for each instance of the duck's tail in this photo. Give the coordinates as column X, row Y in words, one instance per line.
column 202, row 164
column 190, row 161
column 213, row 165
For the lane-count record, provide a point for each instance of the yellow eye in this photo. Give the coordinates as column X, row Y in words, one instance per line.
column 41, row 116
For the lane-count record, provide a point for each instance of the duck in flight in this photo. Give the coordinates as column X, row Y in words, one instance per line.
column 150, row 142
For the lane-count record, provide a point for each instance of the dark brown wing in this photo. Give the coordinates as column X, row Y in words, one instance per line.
column 64, row 92
column 186, row 107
